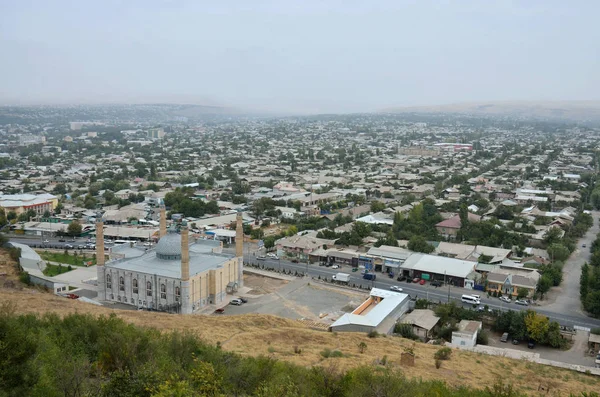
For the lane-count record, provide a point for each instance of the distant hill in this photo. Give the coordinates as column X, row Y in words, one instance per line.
column 546, row 110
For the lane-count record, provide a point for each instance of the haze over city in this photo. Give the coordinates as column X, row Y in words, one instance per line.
column 304, row 57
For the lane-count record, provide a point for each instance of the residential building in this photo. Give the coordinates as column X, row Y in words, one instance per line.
column 423, row 322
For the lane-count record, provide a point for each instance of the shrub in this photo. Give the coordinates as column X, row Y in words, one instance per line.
column 327, row 353
column 383, row 361
column 482, row 337
column 438, row 364
column 373, row 334
column 443, row 353
column 595, row 331
column 362, row 346
column 24, row 278
column 405, row 331
column 297, row 350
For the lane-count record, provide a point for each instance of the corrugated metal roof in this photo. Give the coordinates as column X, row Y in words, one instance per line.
column 438, row 265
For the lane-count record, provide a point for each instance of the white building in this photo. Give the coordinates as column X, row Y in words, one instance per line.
column 378, row 313
column 466, row 336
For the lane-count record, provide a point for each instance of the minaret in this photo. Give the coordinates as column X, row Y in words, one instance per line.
column 239, row 248
column 186, row 306
column 100, row 258
column 163, row 222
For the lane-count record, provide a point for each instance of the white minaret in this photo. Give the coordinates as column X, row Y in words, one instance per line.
column 100, row 269
column 186, row 306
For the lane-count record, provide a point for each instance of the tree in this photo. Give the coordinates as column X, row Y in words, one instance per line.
column 362, row 346
column 419, row 244
column 558, row 252
column 74, row 229
column 522, row 293
column 537, row 326
column 584, row 281
column 544, row 285
column 292, row 231
column 553, row 337
column 592, row 303
column 377, row 206
column 552, row 235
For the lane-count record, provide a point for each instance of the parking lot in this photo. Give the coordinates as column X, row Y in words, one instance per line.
column 296, row 299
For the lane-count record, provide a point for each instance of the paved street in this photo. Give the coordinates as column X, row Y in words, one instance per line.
column 566, row 297
column 566, row 308
column 442, row 294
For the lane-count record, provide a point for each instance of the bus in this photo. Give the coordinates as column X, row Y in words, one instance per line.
column 470, row 299
column 123, row 241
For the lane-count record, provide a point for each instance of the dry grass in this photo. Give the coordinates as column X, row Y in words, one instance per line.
column 273, row 336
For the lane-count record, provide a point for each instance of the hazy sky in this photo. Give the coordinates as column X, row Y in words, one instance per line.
column 309, row 56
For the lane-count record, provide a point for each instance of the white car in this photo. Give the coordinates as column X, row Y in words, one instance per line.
column 396, row 288
column 261, row 258
column 522, row 302
column 505, row 299
column 335, row 267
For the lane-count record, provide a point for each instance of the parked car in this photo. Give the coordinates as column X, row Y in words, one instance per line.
column 416, row 280
column 422, row 282
column 261, row 258
column 530, row 344
column 396, row 288
column 335, row 267
column 505, row 299
column 61, row 240
column 504, row 337
column 515, row 341
column 244, row 300
column 294, row 260
column 401, row 278
column 583, row 245
column 436, row 283
column 68, row 246
column 481, row 308
column 321, row 263
column 522, row 302
column 220, row 310
column 236, row 302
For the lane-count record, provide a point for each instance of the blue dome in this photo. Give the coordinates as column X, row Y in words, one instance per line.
column 169, row 247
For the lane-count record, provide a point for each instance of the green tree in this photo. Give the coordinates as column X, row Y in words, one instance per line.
column 558, row 252
column 74, row 229
column 292, row 231
column 522, row 293
column 552, row 235
column 419, row 244
column 544, row 284
column 377, row 206
column 584, row 281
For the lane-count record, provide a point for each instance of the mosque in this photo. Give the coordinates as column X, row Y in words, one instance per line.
column 176, row 276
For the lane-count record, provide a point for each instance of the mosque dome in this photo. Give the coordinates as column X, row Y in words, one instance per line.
column 169, row 247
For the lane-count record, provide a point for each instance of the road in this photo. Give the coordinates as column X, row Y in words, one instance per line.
column 567, row 294
column 442, row 294
column 52, row 242
column 566, row 310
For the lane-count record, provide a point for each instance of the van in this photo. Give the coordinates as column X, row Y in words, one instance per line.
column 369, row 276
column 470, row 299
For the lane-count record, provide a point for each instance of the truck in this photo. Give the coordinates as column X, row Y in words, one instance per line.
column 341, row 277
column 369, row 276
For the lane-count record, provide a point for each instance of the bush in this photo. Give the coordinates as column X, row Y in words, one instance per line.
column 483, row 337
column 327, row 353
column 373, row 334
column 443, row 353
column 438, row 364
column 405, row 331
column 24, row 278
column 595, row 331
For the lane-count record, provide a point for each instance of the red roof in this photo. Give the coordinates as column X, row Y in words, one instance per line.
column 454, row 222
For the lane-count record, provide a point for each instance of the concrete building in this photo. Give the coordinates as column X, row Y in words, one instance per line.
column 20, row 203
column 176, row 276
column 423, row 322
column 466, row 334
column 378, row 313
